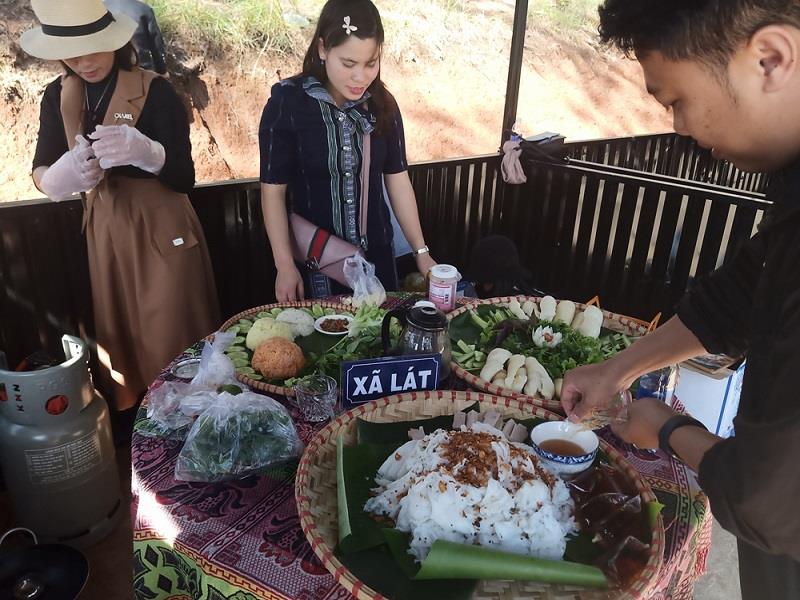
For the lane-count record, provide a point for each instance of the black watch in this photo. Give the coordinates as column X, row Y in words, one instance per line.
column 671, row 425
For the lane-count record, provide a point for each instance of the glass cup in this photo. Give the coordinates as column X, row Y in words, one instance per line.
column 615, row 412
column 316, row 397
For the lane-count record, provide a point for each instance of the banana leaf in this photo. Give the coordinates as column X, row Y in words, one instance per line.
column 355, row 471
column 378, row 569
column 397, row 432
column 448, row 560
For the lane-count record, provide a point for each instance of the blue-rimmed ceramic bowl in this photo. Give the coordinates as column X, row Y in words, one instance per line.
column 554, row 458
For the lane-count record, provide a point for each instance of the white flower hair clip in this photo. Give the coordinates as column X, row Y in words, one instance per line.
column 347, row 27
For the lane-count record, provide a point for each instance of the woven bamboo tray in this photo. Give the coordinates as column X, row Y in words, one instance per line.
column 315, row 492
column 250, row 312
column 612, row 321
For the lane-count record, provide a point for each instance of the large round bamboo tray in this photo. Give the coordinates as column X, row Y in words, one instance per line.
column 612, row 321
column 315, row 492
column 250, row 312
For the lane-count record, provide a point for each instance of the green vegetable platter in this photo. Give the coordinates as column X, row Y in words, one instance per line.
column 370, row 558
column 323, row 353
column 521, row 346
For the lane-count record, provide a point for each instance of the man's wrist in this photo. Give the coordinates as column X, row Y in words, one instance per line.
column 420, row 250
column 668, row 428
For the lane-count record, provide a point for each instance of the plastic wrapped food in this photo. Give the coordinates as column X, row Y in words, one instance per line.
column 367, row 288
column 238, row 436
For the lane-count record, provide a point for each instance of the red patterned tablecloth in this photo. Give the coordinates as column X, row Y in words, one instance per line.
column 242, row 540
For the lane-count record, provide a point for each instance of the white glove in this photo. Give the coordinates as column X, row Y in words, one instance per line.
column 76, row 171
column 117, row 145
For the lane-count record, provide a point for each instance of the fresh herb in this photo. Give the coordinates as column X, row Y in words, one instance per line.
column 487, row 327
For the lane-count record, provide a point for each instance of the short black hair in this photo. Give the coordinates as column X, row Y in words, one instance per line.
column 708, row 31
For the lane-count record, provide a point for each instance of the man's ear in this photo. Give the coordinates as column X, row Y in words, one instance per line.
column 776, row 49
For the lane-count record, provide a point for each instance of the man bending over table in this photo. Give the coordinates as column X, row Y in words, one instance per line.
column 729, row 71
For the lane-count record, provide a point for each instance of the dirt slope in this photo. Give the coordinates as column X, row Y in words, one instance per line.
column 452, row 99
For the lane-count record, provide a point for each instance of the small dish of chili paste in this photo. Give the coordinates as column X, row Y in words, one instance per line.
column 333, row 324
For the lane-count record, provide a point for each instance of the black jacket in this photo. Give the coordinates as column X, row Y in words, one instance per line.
column 752, row 305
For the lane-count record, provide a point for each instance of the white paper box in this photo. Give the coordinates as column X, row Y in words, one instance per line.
column 711, row 400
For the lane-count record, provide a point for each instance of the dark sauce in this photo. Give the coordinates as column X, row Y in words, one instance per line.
column 609, row 507
column 562, row 447
column 334, row 325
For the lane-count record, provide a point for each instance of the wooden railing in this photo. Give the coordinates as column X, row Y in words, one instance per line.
column 636, row 240
column 668, row 154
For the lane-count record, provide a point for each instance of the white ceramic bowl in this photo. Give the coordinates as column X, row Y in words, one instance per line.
column 563, row 465
column 318, row 324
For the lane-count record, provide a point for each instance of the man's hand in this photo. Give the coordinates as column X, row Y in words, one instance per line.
column 646, row 417
column 587, row 388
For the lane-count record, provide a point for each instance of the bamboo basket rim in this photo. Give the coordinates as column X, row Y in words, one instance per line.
column 269, row 387
column 610, row 320
column 324, row 549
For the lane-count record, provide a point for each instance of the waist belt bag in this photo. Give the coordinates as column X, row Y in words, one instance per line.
column 320, row 250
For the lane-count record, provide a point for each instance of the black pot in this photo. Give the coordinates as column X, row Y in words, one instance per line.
column 41, row 571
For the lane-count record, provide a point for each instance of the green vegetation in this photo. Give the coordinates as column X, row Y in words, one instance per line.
column 225, row 25
column 413, row 29
column 565, row 16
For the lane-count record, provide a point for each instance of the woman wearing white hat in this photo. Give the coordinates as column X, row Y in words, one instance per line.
column 119, row 135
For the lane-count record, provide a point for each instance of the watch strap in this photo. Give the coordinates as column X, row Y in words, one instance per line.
column 671, row 425
column 422, row 250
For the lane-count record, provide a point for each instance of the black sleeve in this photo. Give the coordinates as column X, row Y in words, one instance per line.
column 277, row 138
column 168, row 124
column 396, row 161
column 751, row 482
column 715, row 308
column 51, row 142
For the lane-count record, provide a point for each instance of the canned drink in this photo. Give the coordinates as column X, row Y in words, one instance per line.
column 442, row 287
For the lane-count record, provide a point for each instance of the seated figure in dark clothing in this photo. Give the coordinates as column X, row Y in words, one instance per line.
column 495, row 269
column 147, row 38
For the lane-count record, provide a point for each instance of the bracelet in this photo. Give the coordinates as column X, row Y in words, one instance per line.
column 419, row 251
column 671, row 425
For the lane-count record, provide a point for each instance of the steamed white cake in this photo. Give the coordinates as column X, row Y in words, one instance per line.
column 474, row 487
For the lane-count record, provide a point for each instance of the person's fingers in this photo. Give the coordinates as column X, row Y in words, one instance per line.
column 301, row 292
column 105, row 131
column 620, row 428
column 107, row 163
column 569, row 398
column 580, row 411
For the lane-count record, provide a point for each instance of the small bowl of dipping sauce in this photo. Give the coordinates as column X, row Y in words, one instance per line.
column 333, row 324
column 564, row 448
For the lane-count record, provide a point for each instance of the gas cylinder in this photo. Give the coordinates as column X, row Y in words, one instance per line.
column 56, row 451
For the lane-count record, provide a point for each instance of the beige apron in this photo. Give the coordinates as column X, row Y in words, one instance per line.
column 152, row 281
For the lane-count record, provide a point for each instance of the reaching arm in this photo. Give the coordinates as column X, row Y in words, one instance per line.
column 404, row 204
column 289, row 283
column 594, row 385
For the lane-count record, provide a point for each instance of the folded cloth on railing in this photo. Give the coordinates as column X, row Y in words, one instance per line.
column 510, row 165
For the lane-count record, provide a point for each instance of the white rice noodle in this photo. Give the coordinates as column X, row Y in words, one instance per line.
column 424, row 496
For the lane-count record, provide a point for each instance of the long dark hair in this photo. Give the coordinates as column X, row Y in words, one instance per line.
column 124, row 58
column 364, row 15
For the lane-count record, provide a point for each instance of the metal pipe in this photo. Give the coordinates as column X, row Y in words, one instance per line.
column 514, row 68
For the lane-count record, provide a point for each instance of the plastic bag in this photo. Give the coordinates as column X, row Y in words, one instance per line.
column 173, row 406
column 216, row 368
column 367, row 288
column 237, row 436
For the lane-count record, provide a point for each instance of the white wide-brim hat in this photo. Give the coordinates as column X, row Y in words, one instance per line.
column 72, row 28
